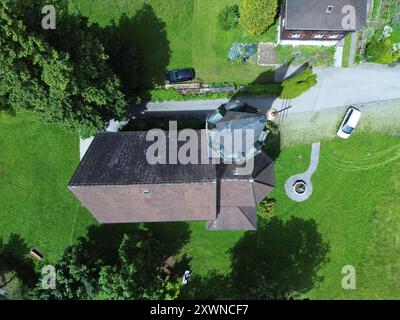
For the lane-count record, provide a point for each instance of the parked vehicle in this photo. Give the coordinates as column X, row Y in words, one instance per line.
column 349, row 123
column 180, row 75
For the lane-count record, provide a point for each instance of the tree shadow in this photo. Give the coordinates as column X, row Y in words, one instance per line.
column 147, row 32
column 14, row 259
column 174, row 235
column 5, row 107
column 138, row 46
column 279, row 261
column 273, row 145
column 139, row 50
column 103, row 241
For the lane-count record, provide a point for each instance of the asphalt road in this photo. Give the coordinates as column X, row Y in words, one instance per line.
column 336, row 87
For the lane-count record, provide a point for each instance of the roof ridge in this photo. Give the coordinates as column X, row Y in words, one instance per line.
column 247, row 218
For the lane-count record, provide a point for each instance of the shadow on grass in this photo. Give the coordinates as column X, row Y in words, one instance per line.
column 279, row 261
column 273, row 145
column 14, row 259
column 138, row 47
column 103, row 241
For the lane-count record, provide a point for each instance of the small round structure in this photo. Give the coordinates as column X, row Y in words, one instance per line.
column 300, row 187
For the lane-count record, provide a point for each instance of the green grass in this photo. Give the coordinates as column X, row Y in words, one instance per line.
column 193, row 37
column 375, row 11
column 395, row 36
column 36, row 164
column 172, row 95
column 354, row 206
column 317, row 56
column 346, row 51
column 268, row 89
column 209, row 249
column 350, row 183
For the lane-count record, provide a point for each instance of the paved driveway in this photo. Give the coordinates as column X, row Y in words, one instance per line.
column 336, row 87
column 344, row 86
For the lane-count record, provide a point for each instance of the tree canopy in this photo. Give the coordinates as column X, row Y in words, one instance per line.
column 256, row 16
column 134, row 270
column 295, row 86
column 63, row 74
column 383, row 51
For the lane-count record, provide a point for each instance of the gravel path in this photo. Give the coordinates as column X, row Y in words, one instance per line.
column 305, row 177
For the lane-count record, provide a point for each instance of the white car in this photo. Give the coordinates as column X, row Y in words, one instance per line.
column 349, row 123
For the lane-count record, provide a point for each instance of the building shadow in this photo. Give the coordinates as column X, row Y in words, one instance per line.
column 279, row 261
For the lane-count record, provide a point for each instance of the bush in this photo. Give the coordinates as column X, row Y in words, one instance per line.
column 294, row 87
column 256, row 16
column 266, row 209
column 172, row 95
column 228, row 18
column 382, row 50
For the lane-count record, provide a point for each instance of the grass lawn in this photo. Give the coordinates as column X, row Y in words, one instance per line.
column 314, row 55
column 350, row 186
column 356, row 210
column 355, row 204
column 193, row 37
column 346, row 51
column 36, row 163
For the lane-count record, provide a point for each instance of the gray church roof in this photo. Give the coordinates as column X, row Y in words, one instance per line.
column 120, row 159
column 236, row 116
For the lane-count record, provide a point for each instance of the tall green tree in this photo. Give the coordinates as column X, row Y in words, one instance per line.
column 64, row 74
column 137, row 270
column 256, row 16
column 139, row 273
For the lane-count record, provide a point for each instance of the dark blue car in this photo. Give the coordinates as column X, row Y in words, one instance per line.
column 180, row 75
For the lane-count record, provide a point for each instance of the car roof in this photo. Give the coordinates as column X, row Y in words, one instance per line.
column 184, row 72
column 355, row 116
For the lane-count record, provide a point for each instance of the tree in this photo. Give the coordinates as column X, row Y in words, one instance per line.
column 96, row 269
column 256, row 16
column 139, row 273
column 228, row 18
column 266, row 209
column 64, row 75
column 77, row 276
column 295, row 86
column 382, row 51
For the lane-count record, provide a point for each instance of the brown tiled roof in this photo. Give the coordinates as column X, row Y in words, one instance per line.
column 236, row 193
column 235, row 218
column 117, row 185
column 149, row 202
